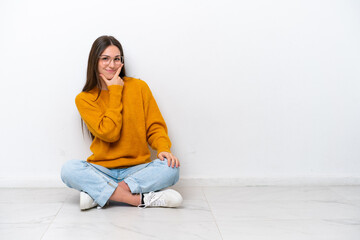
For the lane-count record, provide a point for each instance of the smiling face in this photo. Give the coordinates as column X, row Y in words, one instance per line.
column 109, row 61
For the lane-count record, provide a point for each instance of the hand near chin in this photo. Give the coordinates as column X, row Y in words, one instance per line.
column 116, row 80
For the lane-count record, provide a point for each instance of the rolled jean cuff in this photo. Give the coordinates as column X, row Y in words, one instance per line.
column 133, row 185
column 106, row 193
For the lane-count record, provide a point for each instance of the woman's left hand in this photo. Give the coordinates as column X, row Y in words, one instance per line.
column 172, row 160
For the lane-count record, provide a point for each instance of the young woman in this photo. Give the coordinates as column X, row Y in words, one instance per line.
column 122, row 118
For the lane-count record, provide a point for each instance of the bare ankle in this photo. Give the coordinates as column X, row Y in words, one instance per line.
column 124, row 186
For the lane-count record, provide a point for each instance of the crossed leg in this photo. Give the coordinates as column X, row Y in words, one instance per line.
column 155, row 176
column 85, row 177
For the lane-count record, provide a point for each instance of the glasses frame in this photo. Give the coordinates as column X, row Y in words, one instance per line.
column 107, row 62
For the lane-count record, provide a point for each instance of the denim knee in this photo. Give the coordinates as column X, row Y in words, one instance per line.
column 68, row 169
column 172, row 173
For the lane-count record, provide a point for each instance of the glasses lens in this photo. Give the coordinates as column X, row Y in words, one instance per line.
column 107, row 60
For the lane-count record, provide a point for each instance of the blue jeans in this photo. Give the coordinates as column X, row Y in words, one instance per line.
column 100, row 182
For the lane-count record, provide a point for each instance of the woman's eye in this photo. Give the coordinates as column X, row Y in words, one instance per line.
column 117, row 59
column 104, row 59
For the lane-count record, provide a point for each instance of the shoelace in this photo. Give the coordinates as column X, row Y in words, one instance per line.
column 154, row 200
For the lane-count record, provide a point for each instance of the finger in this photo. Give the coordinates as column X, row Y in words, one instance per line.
column 161, row 157
column 169, row 162
column 173, row 162
column 177, row 162
column 119, row 69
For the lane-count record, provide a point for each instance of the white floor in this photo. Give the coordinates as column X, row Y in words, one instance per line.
column 207, row 213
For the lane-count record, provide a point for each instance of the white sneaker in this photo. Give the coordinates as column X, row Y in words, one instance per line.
column 165, row 198
column 86, row 202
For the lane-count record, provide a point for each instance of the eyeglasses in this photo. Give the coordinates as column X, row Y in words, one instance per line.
column 106, row 60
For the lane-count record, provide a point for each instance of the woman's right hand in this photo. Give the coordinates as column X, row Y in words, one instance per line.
column 116, row 80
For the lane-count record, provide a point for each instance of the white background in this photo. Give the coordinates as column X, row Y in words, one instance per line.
column 254, row 91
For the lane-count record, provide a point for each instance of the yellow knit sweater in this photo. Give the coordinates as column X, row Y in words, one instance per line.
column 124, row 120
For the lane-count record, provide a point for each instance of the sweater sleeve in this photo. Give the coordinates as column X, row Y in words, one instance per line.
column 104, row 125
column 156, row 130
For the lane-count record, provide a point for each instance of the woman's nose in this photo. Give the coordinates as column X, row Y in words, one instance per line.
column 112, row 63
